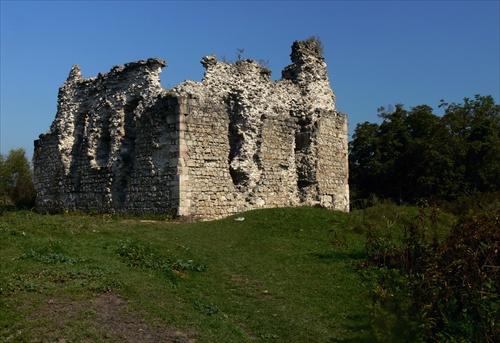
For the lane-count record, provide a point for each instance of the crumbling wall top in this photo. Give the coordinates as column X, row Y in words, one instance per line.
column 303, row 51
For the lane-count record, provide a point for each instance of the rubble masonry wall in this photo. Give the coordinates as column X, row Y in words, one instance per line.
column 233, row 142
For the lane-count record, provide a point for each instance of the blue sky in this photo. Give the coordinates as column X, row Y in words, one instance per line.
column 378, row 52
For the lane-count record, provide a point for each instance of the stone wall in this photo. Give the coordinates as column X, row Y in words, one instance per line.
column 234, row 141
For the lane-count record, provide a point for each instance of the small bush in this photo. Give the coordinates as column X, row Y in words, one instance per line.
column 461, row 285
column 315, row 43
column 452, row 286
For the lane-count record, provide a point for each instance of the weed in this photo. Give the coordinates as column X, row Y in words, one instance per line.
column 96, row 280
column 188, row 265
column 19, row 283
column 315, row 43
column 51, row 257
column 145, row 256
column 208, row 309
column 139, row 255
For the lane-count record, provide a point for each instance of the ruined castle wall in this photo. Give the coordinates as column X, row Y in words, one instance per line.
column 110, row 146
column 333, row 161
column 265, row 178
column 256, row 143
column 233, row 142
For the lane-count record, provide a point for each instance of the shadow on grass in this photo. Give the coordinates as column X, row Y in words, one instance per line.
column 334, row 256
column 361, row 329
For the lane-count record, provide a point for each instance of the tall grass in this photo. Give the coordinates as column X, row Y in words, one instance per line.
column 435, row 286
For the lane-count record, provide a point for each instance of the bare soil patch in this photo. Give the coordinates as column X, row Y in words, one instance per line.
column 104, row 316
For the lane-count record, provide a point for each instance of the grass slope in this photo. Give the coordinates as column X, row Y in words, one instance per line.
column 281, row 275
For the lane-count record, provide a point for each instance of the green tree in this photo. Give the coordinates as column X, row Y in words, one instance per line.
column 395, row 139
column 364, row 165
column 415, row 154
column 391, row 160
column 420, row 153
column 16, row 182
column 473, row 129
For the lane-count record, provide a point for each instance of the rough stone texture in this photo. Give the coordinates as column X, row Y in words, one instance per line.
column 234, row 141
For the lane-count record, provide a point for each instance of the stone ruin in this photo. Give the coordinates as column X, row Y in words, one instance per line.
column 205, row 150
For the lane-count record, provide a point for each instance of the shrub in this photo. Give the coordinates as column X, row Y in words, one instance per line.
column 452, row 286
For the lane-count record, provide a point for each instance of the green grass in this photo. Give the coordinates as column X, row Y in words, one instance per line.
column 281, row 275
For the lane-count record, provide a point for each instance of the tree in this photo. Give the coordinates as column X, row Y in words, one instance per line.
column 473, row 128
column 415, row 154
column 386, row 160
column 364, row 165
column 16, row 179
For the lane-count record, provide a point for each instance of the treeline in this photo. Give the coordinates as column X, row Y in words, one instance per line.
column 415, row 154
column 16, row 181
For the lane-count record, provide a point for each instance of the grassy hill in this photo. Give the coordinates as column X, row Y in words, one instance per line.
column 280, row 275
